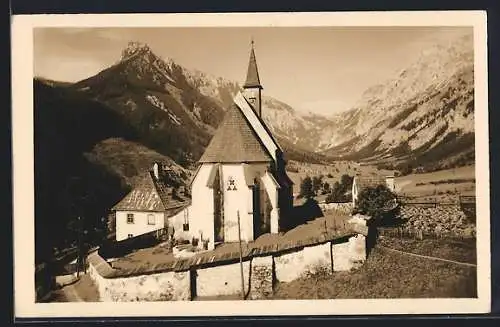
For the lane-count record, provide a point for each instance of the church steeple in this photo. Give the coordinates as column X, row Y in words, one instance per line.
column 252, row 84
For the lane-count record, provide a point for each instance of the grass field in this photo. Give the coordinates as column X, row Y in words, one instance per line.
column 393, row 275
column 443, row 185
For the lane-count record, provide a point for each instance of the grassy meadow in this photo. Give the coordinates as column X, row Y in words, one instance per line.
column 443, row 185
column 387, row 274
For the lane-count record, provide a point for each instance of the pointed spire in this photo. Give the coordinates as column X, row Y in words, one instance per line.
column 253, row 73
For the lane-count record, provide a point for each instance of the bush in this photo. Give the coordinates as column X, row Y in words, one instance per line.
column 316, row 183
column 374, row 201
column 306, row 188
column 326, row 188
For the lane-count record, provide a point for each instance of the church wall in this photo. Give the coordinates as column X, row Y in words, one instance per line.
column 273, row 196
column 234, row 201
column 201, row 211
column 139, row 226
column 177, row 222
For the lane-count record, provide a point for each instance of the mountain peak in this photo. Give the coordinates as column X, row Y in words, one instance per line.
column 133, row 48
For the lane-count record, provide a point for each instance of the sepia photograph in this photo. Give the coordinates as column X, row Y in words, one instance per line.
column 319, row 164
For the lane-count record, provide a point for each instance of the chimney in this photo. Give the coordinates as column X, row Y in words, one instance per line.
column 156, row 170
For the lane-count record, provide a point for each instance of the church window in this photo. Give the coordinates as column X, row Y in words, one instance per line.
column 252, row 100
column 231, row 184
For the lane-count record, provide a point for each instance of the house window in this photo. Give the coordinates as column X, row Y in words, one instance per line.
column 130, row 235
column 151, row 219
column 130, row 218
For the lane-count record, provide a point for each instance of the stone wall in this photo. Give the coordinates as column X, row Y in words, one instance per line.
column 296, row 264
column 261, row 278
column 167, row 286
column 260, row 273
column 222, row 280
column 345, row 207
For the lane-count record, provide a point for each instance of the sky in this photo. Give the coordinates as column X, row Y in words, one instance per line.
column 318, row 69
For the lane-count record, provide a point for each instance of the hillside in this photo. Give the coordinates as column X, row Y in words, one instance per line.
column 424, row 115
column 85, row 161
column 176, row 110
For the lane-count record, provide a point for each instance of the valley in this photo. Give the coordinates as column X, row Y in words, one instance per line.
column 101, row 133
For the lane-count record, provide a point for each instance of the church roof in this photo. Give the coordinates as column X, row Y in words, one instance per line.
column 252, row 73
column 235, row 141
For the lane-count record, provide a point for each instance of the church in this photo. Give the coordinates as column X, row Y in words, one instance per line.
column 240, row 188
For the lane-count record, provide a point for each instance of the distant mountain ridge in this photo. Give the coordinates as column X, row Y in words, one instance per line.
column 417, row 114
column 380, row 126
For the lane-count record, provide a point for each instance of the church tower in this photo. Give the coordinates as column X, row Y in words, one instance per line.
column 252, row 86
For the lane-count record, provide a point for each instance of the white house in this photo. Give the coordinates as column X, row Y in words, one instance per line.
column 146, row 208
column 242, row 172
column 360, row 183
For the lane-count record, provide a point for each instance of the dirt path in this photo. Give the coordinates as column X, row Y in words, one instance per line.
column 71, row 294
column 428, row 257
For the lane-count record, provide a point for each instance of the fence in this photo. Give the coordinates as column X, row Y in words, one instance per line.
column 463, row 200
column 404, row 232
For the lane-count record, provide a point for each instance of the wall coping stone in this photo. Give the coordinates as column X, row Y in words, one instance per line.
column 208, row 259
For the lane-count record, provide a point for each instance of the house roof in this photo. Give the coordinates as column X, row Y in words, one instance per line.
column 235, row 141
column 252, row 73
column 363, row 182
column 150, row 194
